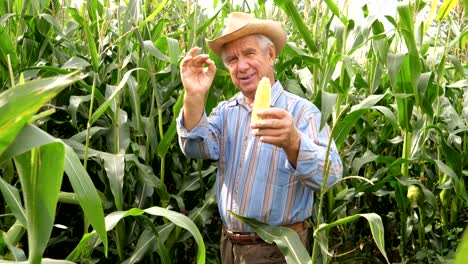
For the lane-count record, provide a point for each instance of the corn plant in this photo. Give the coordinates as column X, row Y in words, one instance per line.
column 392, row 87
column 102, row 130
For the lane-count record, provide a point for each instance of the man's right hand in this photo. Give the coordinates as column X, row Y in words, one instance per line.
column 197, row 73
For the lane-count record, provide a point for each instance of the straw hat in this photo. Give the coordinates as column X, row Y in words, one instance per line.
column 241, row 24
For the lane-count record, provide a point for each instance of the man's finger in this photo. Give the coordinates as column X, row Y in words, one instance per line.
column 193, row 51
column 268, row 123
column 272, row 112
column 200, row 60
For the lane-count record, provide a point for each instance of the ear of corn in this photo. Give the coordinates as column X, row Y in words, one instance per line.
column 262, row 97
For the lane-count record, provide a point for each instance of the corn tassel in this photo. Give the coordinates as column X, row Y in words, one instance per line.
column 262, row 97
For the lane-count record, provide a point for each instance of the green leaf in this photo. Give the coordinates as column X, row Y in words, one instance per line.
column 151, row 48
column 104, row 106
column 306, row 79
column 135, row 104
column 368, row 157
column 17, row 253
column 7, row 48
column 458, row 185
column 114, row 164
column 43, row 261
column 93, row 52
column 40, row 169
column 76, row 63
column 388, row 114
column 145, row 172
column 336, row 11
column 293, row 86
column 370, row 101
column 92, row 7
column 20, row 103
column 184, row 222
column 53, row 22
column 404, row 76
column 75, row 102
column 169, row 135
column 286, row 239
column 146, row 242
column 31, row 137
column 344, row 126
column 84, row 247
column 86, row 193
column 427, row 92
column 406, row 28
column 153, row 15
column 375, row 223
column 74, row 13
column 459, row 84
column 289, row 7
column 12, row 198
column 461, row 256
column 192, row 182
column 201, row 215
column 328, row 104
column 175, row 217
column 445, row 9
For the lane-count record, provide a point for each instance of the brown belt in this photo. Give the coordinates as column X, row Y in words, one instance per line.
column 251, row 238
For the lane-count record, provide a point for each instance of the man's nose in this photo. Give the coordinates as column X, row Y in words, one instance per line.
column 243, row 64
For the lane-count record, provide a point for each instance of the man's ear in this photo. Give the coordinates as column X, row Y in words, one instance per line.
column 272, row 54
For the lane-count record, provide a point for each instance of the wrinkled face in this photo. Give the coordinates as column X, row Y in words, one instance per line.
column 247, row 62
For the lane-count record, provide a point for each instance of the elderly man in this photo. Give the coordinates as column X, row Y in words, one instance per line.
column 267, row 169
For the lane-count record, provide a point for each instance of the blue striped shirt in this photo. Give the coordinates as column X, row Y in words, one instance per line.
column 255, row 179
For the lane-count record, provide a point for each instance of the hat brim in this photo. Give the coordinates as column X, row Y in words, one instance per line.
column 271, row 29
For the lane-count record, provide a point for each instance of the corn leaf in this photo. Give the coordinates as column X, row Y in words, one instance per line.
column 344, row 126
column 461, row 256
column 146, row 241
column 458, row 184
column 184, row 222
column 20, row 103
column 7, row 48
column 12, row 198
column 328, row 104
column 375, row 223
column 289, row 7
column 40, row 169
column 336, row 11
column 175, row 217
column 166, row 140
column 16, row 253
column 286, row 239
column 31, row 137
column 153, row 14
column 114, row 164
column 103, row 107
column 432, row 14
column 445, row 9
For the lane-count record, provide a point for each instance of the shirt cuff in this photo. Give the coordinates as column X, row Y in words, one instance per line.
column 197, row 132
column 306, row 158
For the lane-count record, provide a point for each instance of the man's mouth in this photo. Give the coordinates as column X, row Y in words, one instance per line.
column 245, row 78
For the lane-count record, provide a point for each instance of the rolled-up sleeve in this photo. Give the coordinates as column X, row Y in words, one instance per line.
column 310, row 167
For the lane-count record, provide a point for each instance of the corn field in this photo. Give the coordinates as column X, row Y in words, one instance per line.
column 91, row 171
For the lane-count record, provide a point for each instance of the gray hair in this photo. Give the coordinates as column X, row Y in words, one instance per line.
column 263, row 41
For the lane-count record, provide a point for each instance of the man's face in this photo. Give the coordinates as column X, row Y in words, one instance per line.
column 248, row 62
